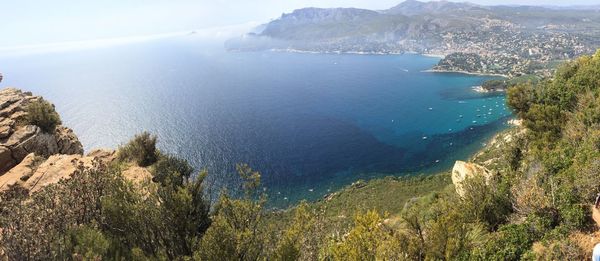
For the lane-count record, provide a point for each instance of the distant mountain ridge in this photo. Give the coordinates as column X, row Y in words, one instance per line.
column 509, row 40
column 413, row 7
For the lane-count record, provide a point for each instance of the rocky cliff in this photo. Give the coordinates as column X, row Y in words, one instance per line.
column 33, row 158
column 17, row 139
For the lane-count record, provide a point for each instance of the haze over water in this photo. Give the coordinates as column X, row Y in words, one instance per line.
column 309, row 122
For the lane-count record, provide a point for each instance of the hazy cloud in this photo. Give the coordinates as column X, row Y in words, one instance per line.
column 35, row 22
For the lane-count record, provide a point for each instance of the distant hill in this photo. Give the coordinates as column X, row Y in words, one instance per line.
column 413, row 7
column 510, row 40
column 313, row 23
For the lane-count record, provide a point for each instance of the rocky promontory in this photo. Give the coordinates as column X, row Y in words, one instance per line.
column 18, row 139
column 33, row 158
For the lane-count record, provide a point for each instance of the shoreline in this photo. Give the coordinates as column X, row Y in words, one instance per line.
column 431, row 55
column 480, row 89
column 291, row 50
column 465, row 72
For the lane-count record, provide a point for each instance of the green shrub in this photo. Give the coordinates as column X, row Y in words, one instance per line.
column 141, row 149
column 171, row 169
column 564, row 249
column 42, row 114
column 46, row 225
column 486, row 201
column 362, row 240
column 238, row 229
column 88, row 243
column 510, row 243
column 520, row 98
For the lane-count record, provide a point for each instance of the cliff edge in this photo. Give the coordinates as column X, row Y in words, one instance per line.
column 17, row 139
column 32, row 158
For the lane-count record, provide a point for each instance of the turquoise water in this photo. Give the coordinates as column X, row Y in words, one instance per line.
column 309, row 122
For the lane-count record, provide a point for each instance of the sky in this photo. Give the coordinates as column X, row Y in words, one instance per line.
column 30, row 22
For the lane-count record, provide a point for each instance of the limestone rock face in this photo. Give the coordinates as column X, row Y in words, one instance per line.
column 103, row 156
column 463, row 170
column 18, row 140
column 34, row 159
column 34, row 172
column 54, row 169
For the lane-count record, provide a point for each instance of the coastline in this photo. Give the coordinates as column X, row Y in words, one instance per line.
column 291, row 50
column 465, row 72
column 480, row 89
column 432, row 55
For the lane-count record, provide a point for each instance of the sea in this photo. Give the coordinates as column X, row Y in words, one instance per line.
column 310, row 123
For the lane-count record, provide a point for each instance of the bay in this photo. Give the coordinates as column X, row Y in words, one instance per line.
column 310, row 123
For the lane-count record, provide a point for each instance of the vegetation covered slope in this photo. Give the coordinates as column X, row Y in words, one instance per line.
column 538, row 204
column 535, row 206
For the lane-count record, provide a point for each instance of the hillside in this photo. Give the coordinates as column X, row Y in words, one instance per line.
column 508, row 40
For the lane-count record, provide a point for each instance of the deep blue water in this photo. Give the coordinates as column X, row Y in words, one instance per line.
column 306, row 121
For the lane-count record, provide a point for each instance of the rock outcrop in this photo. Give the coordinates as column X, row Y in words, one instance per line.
column 137, row 174
column 463, row 170
column 35, row 172
column 17, row 139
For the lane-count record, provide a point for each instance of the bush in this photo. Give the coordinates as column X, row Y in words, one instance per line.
column 362, row 241
column 164, row 222
column 171, row 169
column 88, row 243
column 42, row 114
column 98, row 214
column 520, row 98
column 37, row 227
column 238, row 228
column 510, row 243
column 564, row 249
column 237, row 231
column 141, row 149
column 486, row 203
column 295, row 238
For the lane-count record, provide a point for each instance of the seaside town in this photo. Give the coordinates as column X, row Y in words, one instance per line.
column 507, row 52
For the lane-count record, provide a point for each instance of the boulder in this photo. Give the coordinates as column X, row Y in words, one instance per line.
column 463, row 170
column 137, row 174
column 19, row 140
